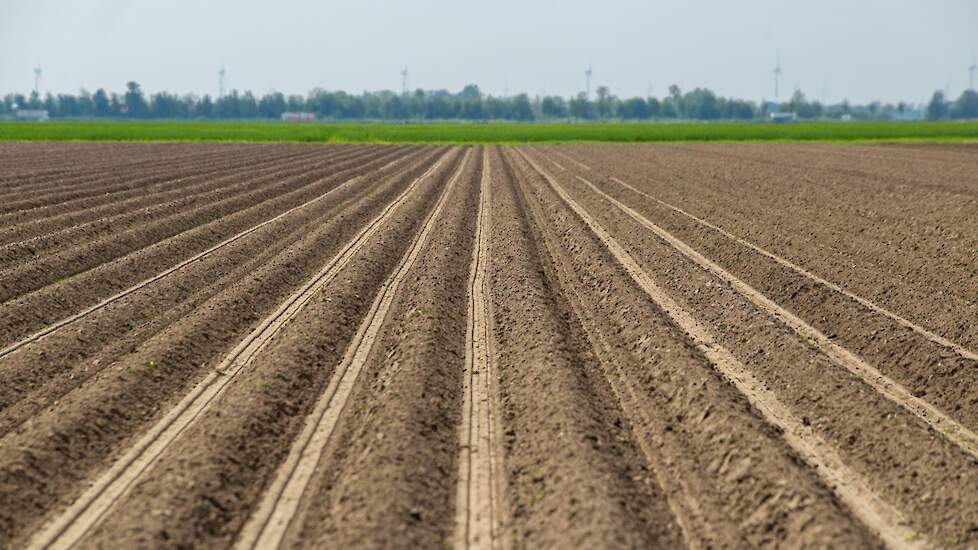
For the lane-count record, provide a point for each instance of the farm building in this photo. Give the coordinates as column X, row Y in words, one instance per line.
column 37, row 115
column 298, row 117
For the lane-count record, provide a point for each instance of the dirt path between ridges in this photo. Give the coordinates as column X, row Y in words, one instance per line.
column 934, row 371
column 88, row 510
column 245, row 434
column 61, row 216
column 231, row 239
column 93, row 160
column 901, row 261
column 648, row 367
column 42, row 466
column 572, row 473
column 50, row 220
column 115, row 219
column 269, row 189
column 284, row 507
column 104, row 169
column 118, row 185
column 889, row 212
column 905, row 459
column 888, row 169
column 478, row 509
column 106, row 173
column 35, row 310
column 69, row 359
column 760, row 507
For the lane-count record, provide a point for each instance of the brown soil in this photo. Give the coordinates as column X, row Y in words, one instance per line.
column 218, row 345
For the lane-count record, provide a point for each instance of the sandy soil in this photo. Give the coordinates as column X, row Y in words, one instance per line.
column 709, row 346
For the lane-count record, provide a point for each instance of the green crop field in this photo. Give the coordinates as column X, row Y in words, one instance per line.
column 487, row 132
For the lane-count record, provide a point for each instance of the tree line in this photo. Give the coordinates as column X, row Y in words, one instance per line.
column 940, row 107
column 468, row 104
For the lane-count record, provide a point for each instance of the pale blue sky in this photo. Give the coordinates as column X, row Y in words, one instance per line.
column 871, row 49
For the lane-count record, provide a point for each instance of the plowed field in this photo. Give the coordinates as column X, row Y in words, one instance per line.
column 593, row 346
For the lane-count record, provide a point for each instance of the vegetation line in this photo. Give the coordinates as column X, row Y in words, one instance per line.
column 508, row 133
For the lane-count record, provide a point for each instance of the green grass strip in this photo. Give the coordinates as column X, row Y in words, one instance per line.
column 272, row 132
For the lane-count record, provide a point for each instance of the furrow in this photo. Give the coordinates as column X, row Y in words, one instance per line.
column 902, row 321
column 898, row 246
column 476, row 519
column 573, row 471
column 104, row 169
column 96, row 385
column 576, row 162
column 100, row 167
column 74, row 358
column 109, row 277
column 24, row 225
column 274, row 515
column 135, row 213
column 71, row 526
column 118, row 296
column 108, row 189
column 892, row 390
column 880, row 516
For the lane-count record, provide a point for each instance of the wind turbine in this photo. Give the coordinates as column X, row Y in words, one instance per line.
column 971, row 73
column 404, row 75
column 587, row 74
column 777, row 78
column 220, row 81
column 37, row 80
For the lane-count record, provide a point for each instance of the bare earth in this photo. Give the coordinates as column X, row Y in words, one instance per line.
column 592, row 346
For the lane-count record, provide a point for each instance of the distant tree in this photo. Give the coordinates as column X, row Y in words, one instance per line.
column 470, row 103
column 100, row 103
column 50, row 104
column 874, row 109
column 738, row 109
column 669, row 108
column 248, row 106
column 521, row 108
column 966, row 106
column 701, row 104
column 34, row 101
column 799, row 105
column 272, row 105
column 69, row 105
column 20, row 101
column 117, row 105
column 167, row 105
column 580, row 107
column 134, row 101
column 604, row 107
column 634, row 108
column 553, row 107
column 471, row 109
column 470, row 92
column 295, row 104
column 937, row 108
column 86, row 107
column 653, row 105
column 676, row 95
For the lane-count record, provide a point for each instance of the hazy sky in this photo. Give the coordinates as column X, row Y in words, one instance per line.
column 869, row 49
